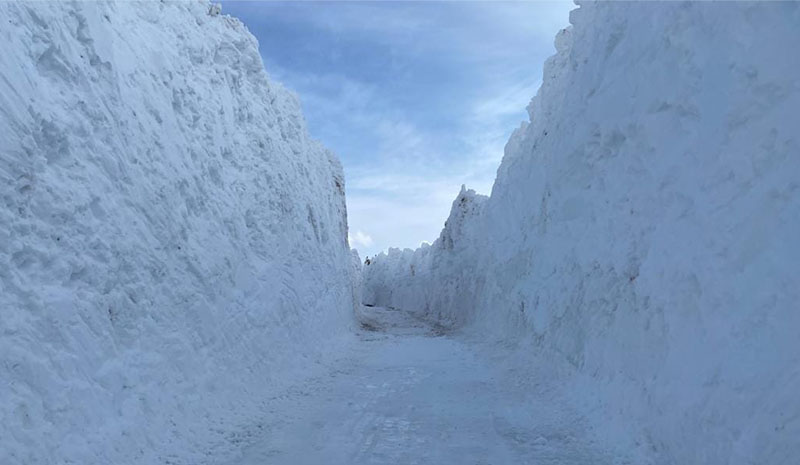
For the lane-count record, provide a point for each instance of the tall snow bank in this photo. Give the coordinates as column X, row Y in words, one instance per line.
column 171, row 240
column 430, row 281
column 642, row 227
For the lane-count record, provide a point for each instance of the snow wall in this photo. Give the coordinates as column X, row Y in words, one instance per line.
column 643, row 230
column 172, row 241
column 435, row 280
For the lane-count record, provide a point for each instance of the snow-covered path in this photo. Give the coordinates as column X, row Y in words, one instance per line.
column 409, row 394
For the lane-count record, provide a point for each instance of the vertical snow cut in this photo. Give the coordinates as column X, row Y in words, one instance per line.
column 172, row 241
column 642, row 230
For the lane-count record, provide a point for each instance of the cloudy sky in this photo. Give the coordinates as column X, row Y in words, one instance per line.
column 416, row 98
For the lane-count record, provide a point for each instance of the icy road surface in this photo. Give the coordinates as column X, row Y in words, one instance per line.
column 409, row 394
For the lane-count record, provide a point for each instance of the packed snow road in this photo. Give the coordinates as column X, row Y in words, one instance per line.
column 409, row 394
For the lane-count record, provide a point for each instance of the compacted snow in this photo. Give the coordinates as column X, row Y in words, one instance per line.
column 643, row 229
column 409, row 394
column 173, row 244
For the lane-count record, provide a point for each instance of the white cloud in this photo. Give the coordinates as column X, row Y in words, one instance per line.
column 359, row 239
column 447, row 85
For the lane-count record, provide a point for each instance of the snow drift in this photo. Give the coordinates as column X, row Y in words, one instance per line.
column 171, row 239
column 642, row 229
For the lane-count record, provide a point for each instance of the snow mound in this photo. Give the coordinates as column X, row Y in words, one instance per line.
column 642, row 229
column 172, row 241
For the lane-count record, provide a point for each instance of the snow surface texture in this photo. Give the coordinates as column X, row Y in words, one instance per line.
column 172, row 242
column 643, row 229
column 408, row 394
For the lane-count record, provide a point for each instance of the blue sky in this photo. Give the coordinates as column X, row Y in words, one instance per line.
column 416, row 98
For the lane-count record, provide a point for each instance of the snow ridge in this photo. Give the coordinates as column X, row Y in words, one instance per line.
column 172, row 241
column 641, row 229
